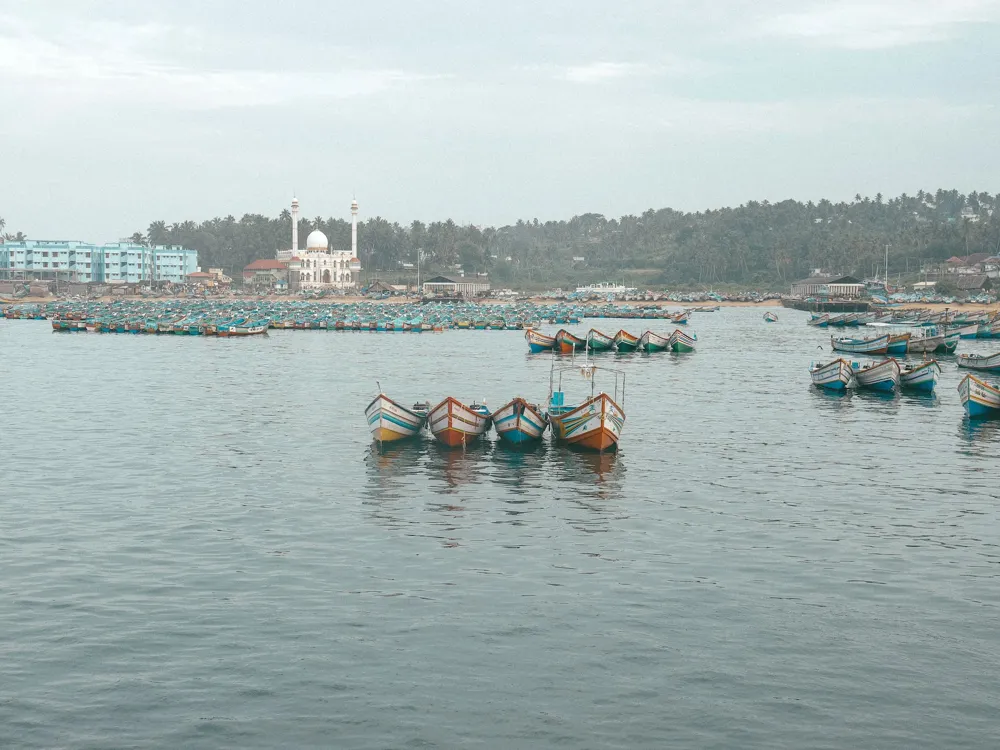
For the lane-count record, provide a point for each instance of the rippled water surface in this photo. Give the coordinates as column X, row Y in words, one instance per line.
column 199, row 549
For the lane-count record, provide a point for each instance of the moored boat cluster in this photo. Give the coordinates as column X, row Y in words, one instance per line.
column 592, row 423
column 565, row 342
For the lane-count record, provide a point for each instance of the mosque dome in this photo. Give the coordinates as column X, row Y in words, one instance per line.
column 317, row 241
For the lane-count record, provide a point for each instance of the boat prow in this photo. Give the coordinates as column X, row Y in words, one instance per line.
column 519, row 423
column 390, row 421
column 455, row 424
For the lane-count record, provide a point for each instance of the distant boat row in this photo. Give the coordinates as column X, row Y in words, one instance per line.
column 595, row 423
column 982, row 324
column 565, row 342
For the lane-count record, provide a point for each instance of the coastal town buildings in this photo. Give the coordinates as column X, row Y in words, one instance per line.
column 828, row 286
column 265, row 274
column 74, row 261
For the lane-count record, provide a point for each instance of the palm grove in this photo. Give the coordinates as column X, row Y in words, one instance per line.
column 758, row 244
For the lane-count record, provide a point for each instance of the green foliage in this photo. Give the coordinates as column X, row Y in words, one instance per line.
column 759, row 243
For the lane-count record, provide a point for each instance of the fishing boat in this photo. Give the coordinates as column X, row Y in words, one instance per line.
column 985, row 362
column 877, row 345
column 820, row 321
column 680, row 318
column 653, row 342
column 681, row 342
column 567, row 343
column 390, row 421
column 519, row 423
column 919, row 376
column 770, row 317
column 254, row 328
column 968, row 332
column 980, row 399
column 625, row 342
column 599, row 342
column 597, row 423
column 454, row 424
column 834, row 376
column 898, row 343
column 934, row 343
column 538, row 341
column 877, row 376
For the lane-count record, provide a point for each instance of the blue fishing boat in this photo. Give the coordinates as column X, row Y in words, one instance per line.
column 877, row 376
column 919, row 376
column 538, row 341
column 519, row 423
column 876, row 345
column 984, row 362
column 833, row 376
column 980, row 399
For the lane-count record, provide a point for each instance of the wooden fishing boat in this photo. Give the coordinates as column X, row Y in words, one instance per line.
column 390, row 421
column 919, row 376
column 820, row 321
column 877, row 376
column 984, row 362
column 770, row 317
column 249, row 329
column 934, row 343
column 834, row 376
column 519, row 423
column 968, row 332
column 567, row 343
column 454, row 424
column 625, row 342
column 877, row 345
column 597, row 423
column 681, row 342
column 653, row 342
column 980, row 399
column 599, row 342
column 680, row 318
column 898, row 343
column 538, row 341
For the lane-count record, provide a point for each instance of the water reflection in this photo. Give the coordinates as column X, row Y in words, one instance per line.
column 979, row 437
column 831, row 400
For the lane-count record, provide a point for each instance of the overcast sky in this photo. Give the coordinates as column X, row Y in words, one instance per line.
column 119, row 112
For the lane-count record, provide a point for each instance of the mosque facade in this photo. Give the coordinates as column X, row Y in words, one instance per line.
column 319, row 266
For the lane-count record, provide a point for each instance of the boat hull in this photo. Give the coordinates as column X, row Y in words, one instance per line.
column 989, row 363
column 681, row 342
column 980, row 399
column 625, row 342
column 567, row 343
column 454, row 424
column 389, row 421
column 599, row 342
column 881, row 376
column 595, row 425
column 538, row 342
column 922, row 377
column 653, row 342
column 833, row 376
column 878, row 345
column 519, row 423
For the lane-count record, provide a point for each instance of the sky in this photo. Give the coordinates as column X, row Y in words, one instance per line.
column 116, row 113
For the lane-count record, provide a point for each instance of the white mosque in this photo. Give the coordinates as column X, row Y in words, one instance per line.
column 319, row 266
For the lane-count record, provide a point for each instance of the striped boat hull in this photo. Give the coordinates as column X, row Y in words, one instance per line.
column 980, row 399
column 626, row 342
column 653, row 342
column 920, row 377
column 539, row 342
column 878, row 376
column 455, row 424
column 567, row 343
column 519, row 423
column 390, row 421
column 834, row 376
column 594, row 425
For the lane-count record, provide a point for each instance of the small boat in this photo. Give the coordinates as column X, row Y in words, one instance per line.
column 980, row 399
column 877, row 376
column 625, row 342
column 898, row 343
column 597, row 423
column 653, row 342
column 538, row 341
column 834, row 376
column 877, row 345
column 681, row 342
column 934, row 343
column 985, row 362
column 249, row 329
column 599, row 342
column 454, row 424
column 680, row 318
column 390, row 421
column 968, row 332
column 919, row 376
column 519, row 422
column 567, row 343
column 770, row 317
column 820, row 321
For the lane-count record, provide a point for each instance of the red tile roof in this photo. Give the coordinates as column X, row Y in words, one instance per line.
column 266, row 264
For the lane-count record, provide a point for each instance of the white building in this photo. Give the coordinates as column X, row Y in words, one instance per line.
column 320, row 266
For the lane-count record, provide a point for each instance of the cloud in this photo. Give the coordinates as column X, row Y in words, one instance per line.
column 861, row 24
column 138, row 64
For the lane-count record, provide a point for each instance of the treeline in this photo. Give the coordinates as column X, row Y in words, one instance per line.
column 756, row 244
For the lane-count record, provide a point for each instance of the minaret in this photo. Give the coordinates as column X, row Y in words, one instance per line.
column 295, row 226
column 354, row 229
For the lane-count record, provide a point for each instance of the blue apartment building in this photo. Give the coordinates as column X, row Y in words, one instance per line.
column 82, row 262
